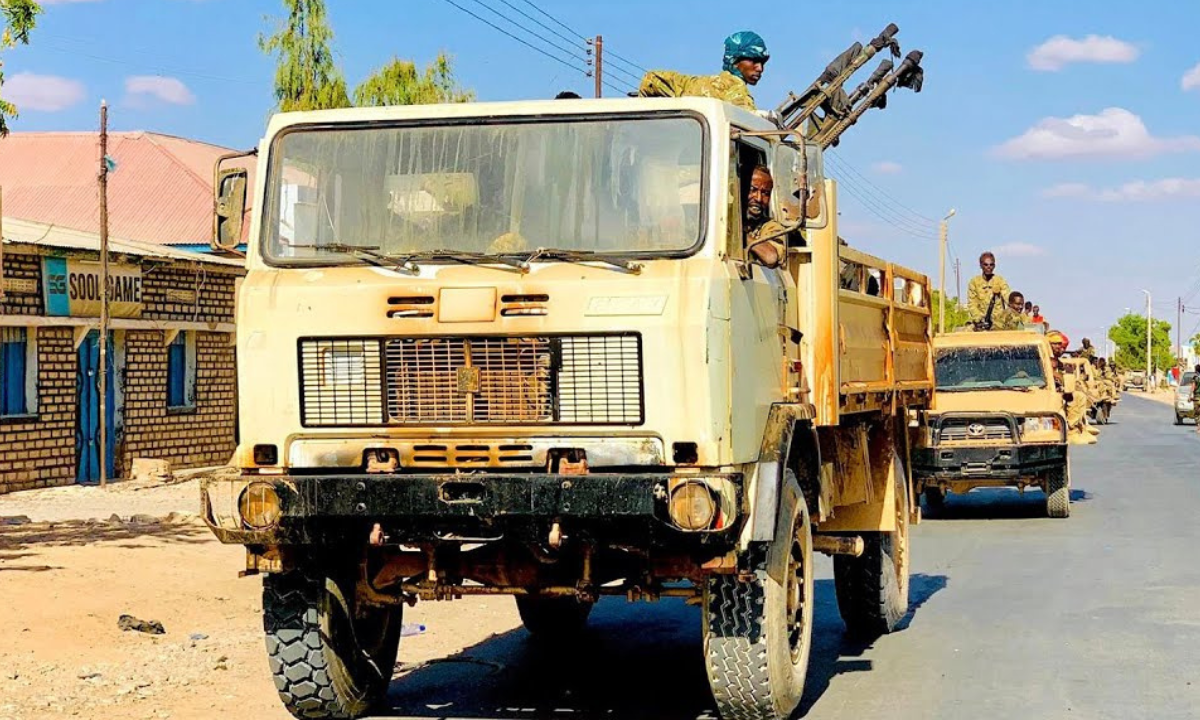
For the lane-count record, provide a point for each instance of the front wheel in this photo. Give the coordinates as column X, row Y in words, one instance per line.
column 1058, row 493
column 872, row 590
column 329, row 658
column 757, row 632
column 935, row 498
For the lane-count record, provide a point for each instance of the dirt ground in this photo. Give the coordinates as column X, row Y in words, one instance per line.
column 72, row 570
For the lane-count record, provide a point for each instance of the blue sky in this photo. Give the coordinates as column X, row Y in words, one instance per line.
column 1065, row 133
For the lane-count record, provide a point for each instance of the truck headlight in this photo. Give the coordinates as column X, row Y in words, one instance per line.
column 1041, row 424
column 259, row 506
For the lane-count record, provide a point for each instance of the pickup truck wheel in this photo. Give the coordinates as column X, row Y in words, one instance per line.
column 553, row 617
column 1058, row 493
column 757, row 633
column 872, row 590
column 329, row 658
column 1178, row 419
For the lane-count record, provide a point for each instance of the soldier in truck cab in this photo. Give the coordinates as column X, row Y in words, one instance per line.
column 764, row 236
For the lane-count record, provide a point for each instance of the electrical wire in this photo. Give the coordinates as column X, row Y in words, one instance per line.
column 897, row 216
column 878, row 209
column 555, row 20
column 568, row 50
column 155, row 69
column 527, row 44
column 580, row 36
column 541, row 24
column 919, row 217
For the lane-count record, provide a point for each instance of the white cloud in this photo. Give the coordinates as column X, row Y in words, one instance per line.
column 1061, row 50
column 48, row 93
column 1115, row 132
column 1191, row 78
column 887, row 167
column 1136, row 191
column 1019, row 249
column 167, row 89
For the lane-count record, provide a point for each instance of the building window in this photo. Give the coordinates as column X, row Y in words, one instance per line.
column 181, row 371
column 18, row 372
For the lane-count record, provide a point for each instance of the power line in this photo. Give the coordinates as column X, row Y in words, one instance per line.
column 541, row 24
column 879, row 208
column 630, row 63
column 555, row 20
column 514, row 37
column 922, row 218
column 156, row 69
column 568, row 50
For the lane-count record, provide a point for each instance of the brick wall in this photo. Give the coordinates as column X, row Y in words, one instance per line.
column 203, row 436
column 41, row 452
column 211, row 290
column 22, row 267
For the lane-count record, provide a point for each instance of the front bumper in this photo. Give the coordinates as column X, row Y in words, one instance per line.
column 1007, row 462
column 613, row 507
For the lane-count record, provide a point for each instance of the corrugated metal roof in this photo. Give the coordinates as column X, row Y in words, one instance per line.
column 24, row 232
column 160, row 193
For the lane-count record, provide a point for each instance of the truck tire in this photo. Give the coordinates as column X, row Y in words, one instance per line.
column 553, row 617
column 326, row 662
column 1178, row 419
column 757, row 633
column 872, row 590
column 1058, row 493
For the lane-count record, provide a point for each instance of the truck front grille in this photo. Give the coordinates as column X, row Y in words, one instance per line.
column 975, row 430
column 579, row 380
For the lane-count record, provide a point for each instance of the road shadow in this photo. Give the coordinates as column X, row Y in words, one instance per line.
column 633, row 661
column 641, row 662
column 996, row 504
column 31, row 536
column 835, row 652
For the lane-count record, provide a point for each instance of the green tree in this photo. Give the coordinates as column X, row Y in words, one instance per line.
column 1129, row 335
column 956, row 316
column 19, row 18
column 306, row 77
column 1196, row 344
column 399, row 83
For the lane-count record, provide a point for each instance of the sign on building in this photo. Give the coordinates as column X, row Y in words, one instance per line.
column 72, row 288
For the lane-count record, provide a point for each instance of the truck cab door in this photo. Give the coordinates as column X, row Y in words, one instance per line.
column 758, row 302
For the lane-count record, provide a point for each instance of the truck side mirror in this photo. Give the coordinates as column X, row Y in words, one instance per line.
column 229, row 206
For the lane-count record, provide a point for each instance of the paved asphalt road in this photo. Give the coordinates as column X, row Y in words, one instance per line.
column 1014, row 615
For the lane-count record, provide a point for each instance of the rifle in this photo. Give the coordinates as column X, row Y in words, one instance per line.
column 986, row 323
column 909, row 75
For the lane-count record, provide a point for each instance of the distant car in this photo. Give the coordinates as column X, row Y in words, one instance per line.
column 1183, row 399
column 1134, row 380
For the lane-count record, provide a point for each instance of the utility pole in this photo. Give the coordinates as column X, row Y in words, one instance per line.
column 943, row 233
column 1179, row 331
column 1149, row 324
column 599, row 44
column 103, row 293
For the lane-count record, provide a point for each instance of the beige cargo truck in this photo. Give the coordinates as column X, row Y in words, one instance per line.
column 521, row 349
column 997, row 420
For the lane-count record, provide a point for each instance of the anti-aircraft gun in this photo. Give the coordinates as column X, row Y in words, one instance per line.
column 825, row 110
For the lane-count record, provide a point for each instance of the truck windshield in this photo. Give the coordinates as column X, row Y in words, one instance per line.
column 614, row 186
column 984, row 368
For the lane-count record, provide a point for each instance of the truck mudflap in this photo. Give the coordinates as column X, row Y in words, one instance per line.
column 1010, row 462
column 413, row 508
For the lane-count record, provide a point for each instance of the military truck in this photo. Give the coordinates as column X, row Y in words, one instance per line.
column 997, row 420
column 1099, row 405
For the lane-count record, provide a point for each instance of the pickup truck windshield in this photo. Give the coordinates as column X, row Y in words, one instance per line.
column 986, row 368
column 614, row 186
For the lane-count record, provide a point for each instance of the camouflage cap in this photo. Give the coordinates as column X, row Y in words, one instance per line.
column 744, row 44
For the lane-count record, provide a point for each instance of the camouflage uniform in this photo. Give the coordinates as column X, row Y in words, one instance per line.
column 1006, row 319
column 979, row 296
column 769, row 232
column 726, row 86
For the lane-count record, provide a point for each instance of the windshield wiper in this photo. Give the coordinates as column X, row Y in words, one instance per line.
column 466, row 258
column 370, row 253
column 582, row 256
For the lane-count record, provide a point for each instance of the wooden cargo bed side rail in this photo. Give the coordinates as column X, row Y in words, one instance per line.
column 871, row 349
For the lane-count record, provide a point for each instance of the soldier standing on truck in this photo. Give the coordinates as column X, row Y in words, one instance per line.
column 986, row 292
column 763, row 235
column 745, row 58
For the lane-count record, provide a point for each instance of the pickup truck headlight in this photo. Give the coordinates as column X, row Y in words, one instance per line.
column 1041, row 424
